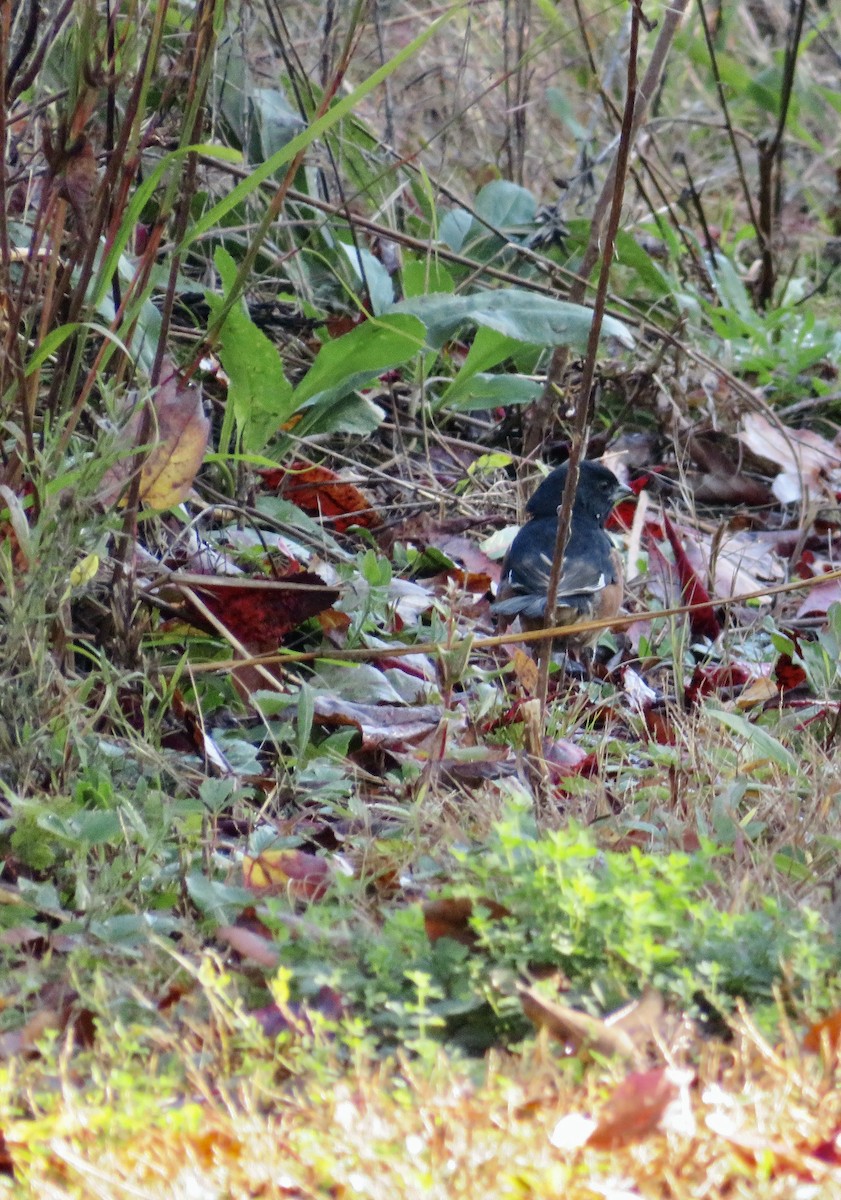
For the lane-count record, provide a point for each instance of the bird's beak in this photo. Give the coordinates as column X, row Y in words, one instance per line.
column 622, row 492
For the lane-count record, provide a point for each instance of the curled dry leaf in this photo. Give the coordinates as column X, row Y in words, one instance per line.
column 178, row 431
column 576, row 1030
column 804, row 457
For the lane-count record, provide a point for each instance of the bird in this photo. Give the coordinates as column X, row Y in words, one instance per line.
column 591, row 582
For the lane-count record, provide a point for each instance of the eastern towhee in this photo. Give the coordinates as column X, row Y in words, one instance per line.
column 591, row 582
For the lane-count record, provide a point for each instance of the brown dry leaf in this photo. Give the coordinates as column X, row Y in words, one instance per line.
column 323, row 494
column 575, row 1029
column 381, row 725
column 450, row 918
column 176, row 443
column 525, row 668
column 802, row 455
column 824, row 1033
column 80, row 179
column 179, row 442
column 643, row 1104
column 724, row 482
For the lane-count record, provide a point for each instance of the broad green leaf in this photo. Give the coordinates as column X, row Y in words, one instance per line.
column 371, row 348
column 372, row 275
column 502, row 203
column 420, row 276
column 629, row 253
column 516, row 313
column 258, row 390
column 454, row 228
column 488, row 391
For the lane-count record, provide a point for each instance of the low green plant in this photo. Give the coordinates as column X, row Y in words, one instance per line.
column 611, row 922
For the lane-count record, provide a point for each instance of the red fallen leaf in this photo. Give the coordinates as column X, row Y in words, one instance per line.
column 660, row 726
column 250, row 945
column 829, row 1150
column 450, row 918
column 323, row 494
column 702, row 622
column 7, row 1165
column 343, row 323
column 636, row 1108
column 259, row 613
column 707, row 681
column 292, row 872
column 788, row 675
column 825, row 1033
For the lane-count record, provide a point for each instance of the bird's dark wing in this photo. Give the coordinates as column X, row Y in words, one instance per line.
column 525, row 576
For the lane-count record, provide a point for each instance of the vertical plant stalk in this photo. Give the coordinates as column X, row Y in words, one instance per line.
column 539, row 417
column 770, row 166
column 203, row 44
column 583, row 407
column 725, row 112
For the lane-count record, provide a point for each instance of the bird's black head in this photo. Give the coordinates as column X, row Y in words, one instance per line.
column 597, row 492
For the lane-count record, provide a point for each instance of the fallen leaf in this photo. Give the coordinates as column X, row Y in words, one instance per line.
column 450, row 918
column 288, row 872
column 259, row 613
column 179, row 441
column 640, row 1106
column 702, row 622
column 322, row 493
column 576, row 1030
column 824, row 1034
column 178, row 432
column 803, row 456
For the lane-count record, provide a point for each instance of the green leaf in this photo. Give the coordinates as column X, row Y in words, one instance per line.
column 502, row 204
column 362, row 354
column 371, row 274
column 516, row 313
column 420, row 276
column 629, row 253
column 258, row 390
column 454, row 227
column 764, row 745
column 488, row 391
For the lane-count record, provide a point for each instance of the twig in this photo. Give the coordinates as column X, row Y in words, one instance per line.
column 583, row 417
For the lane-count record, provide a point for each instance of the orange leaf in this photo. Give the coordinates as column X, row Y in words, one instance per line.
column 826, row 1032
column 322, row 493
